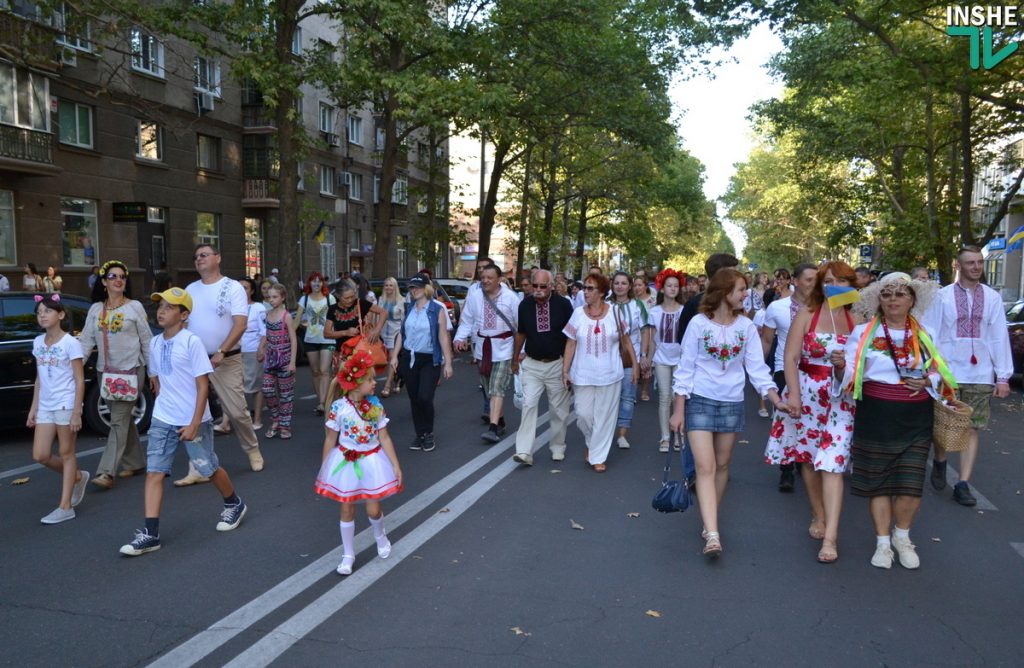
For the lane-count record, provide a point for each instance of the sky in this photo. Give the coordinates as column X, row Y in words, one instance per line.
column 711, row 113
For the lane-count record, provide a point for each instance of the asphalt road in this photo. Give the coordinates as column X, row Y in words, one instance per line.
column 487, row 570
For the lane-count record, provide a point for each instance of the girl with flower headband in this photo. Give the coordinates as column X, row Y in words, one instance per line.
column 666, row 316
column 359, row 460
column 890, row 363
column 57, row 404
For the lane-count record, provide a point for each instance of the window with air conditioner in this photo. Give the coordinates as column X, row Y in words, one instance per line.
column 207, row 72
column 75, row 121
column 147, row 53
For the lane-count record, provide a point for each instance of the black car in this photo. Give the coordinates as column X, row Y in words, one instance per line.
column 18, row 328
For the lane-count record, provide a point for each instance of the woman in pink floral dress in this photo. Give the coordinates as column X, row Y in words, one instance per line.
column 821, row 438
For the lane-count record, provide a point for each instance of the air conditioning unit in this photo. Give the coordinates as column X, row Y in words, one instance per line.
column 332, row 139
column 204, row 102
column 341, row 181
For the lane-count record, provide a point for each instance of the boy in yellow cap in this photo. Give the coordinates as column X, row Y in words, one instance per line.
column 179, row 369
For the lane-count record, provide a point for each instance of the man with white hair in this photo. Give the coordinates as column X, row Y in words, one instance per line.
column 542, row 317
column 970, row 333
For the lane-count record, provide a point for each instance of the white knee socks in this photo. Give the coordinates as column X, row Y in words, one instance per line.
column 348, row 544
column 383, row 544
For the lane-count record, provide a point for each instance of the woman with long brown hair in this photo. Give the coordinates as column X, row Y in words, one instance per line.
column 313, row 305
column 720, row 351
column 820, row 440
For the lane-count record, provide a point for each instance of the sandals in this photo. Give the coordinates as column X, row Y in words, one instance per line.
column 600, row 468
column 272, row 432
column 285, row 434
column 103, row 480
column 712, row 545
column 813, row 531
column 828, row 554
column 385, row 394
column 663, row 446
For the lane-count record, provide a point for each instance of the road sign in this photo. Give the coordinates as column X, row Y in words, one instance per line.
column 866, row 251
column 753, row 266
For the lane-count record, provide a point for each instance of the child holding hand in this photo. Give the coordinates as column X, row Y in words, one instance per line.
column 359, row 460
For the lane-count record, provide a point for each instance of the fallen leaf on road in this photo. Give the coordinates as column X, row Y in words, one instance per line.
column 574, row 525
column 653, row 613
column 455, row 561
column 1003, row 452
column 936, row 540
column 556, row 470
column 981, row 512
column 632, row 514
column 20, row 481
column 445, row 510
column 416, row 556
column 518, row 631
column 744, row 441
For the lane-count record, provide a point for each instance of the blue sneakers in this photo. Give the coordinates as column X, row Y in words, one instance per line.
column 231, row 516
column 142, row 544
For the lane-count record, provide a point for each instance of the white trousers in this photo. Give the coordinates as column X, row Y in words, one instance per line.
column 663, row 374
column 597, row 409
column 538, row 377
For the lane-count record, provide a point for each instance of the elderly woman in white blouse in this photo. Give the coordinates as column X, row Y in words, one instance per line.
column 720, row 350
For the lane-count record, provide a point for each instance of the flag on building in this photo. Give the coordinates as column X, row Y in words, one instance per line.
column 1016, row 240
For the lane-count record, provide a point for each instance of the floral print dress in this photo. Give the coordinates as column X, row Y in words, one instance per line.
column 357, row 468
column 823, row 434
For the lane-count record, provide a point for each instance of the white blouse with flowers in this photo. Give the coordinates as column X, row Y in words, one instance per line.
column 716, row 359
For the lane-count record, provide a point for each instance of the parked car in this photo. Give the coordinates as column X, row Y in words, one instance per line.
column 456, row 288
column 1015, row 325
column 453, row 306
column 18, row 328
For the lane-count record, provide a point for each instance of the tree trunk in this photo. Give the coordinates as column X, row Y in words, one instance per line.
column 967, row 162
column 939, row 242
column 550, row 201
column 581, row 237
column 286, row 248
column 524, row 209
column 487, row 216
column 389, row 165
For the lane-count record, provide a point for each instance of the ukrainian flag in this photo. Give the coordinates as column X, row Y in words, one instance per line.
column 837, row 296
column 1016, row 240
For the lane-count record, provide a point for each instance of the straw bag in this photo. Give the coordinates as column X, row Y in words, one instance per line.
column 952, row 425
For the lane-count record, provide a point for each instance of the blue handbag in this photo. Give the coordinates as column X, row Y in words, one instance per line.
column 674, row 495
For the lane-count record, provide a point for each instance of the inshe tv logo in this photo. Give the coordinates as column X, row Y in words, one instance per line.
column 977, row 22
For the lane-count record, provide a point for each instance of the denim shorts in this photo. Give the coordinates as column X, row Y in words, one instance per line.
column 58, row 417
column 163, row 443
column 703, row 414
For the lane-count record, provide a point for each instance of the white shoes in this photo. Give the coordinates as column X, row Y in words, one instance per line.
column 763, row 412
column 345, row 567
column 557, row 453
column 383, row 547
column 78, row 491
column 663, row 446
column 908, row 555
column 882, row 557
column 524, row 458
column 623, row 443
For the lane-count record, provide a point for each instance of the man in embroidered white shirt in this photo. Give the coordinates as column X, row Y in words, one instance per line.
column 969, row 326
column 494, row 331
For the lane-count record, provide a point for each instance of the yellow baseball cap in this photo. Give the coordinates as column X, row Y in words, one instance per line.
column 175, row 296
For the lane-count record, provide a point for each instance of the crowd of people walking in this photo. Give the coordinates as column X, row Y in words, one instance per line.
column 852, row 378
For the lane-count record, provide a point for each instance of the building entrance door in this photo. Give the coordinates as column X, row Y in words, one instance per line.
column 152, row 244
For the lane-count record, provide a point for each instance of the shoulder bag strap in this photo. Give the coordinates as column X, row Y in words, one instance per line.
column 668, row 457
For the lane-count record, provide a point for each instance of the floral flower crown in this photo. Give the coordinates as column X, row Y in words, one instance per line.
column 113, row 263
column 667, row 273
column 354, row 369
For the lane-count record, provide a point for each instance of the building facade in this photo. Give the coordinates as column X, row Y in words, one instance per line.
column 145, row 147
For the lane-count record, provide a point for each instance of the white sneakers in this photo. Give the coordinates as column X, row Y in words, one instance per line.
column 557, row 453
column 345, row 567
column 883, row 557
column 623, row 443
column 78, row 491
column 663, row 446
column 524, row 458
column 908, row 555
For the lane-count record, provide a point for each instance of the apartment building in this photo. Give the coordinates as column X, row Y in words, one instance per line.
column 146, row 147
column 1003, row 271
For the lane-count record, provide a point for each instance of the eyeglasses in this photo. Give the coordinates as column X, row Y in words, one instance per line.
column 115, row 277
column 588, row 288
column 893, row 294
column 541, row 286
column 202, row 256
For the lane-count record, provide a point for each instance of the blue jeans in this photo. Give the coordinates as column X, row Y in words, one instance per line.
column 163, row 442
column 627, row 400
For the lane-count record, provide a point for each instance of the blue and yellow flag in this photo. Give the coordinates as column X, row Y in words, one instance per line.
column 1016, row 240
column 837, row 296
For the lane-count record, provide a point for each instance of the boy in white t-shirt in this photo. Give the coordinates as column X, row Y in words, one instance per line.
column 179, row 370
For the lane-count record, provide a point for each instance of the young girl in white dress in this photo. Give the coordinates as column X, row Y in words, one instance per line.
column 359, row 461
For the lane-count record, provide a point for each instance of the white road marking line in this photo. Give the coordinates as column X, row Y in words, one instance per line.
column 278, row 641
column 308, row 397
column 952, row 478
column 219, row 633
column 1019, row 547
column 32, row 467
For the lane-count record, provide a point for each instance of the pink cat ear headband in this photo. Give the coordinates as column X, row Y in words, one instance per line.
column 54, row 298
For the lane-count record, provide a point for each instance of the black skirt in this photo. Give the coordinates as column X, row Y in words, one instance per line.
column 891, row 440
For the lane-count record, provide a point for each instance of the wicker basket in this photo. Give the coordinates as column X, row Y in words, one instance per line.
column 952, row 425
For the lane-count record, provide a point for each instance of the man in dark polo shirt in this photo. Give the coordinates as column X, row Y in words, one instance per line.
column 542, row 317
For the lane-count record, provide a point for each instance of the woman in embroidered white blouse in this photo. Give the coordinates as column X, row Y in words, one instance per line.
column 720, row 350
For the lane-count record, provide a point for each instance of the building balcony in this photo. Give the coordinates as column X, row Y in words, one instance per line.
column 30, row 43
column 260, row 194
column 26, row 151
column 258, row 120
